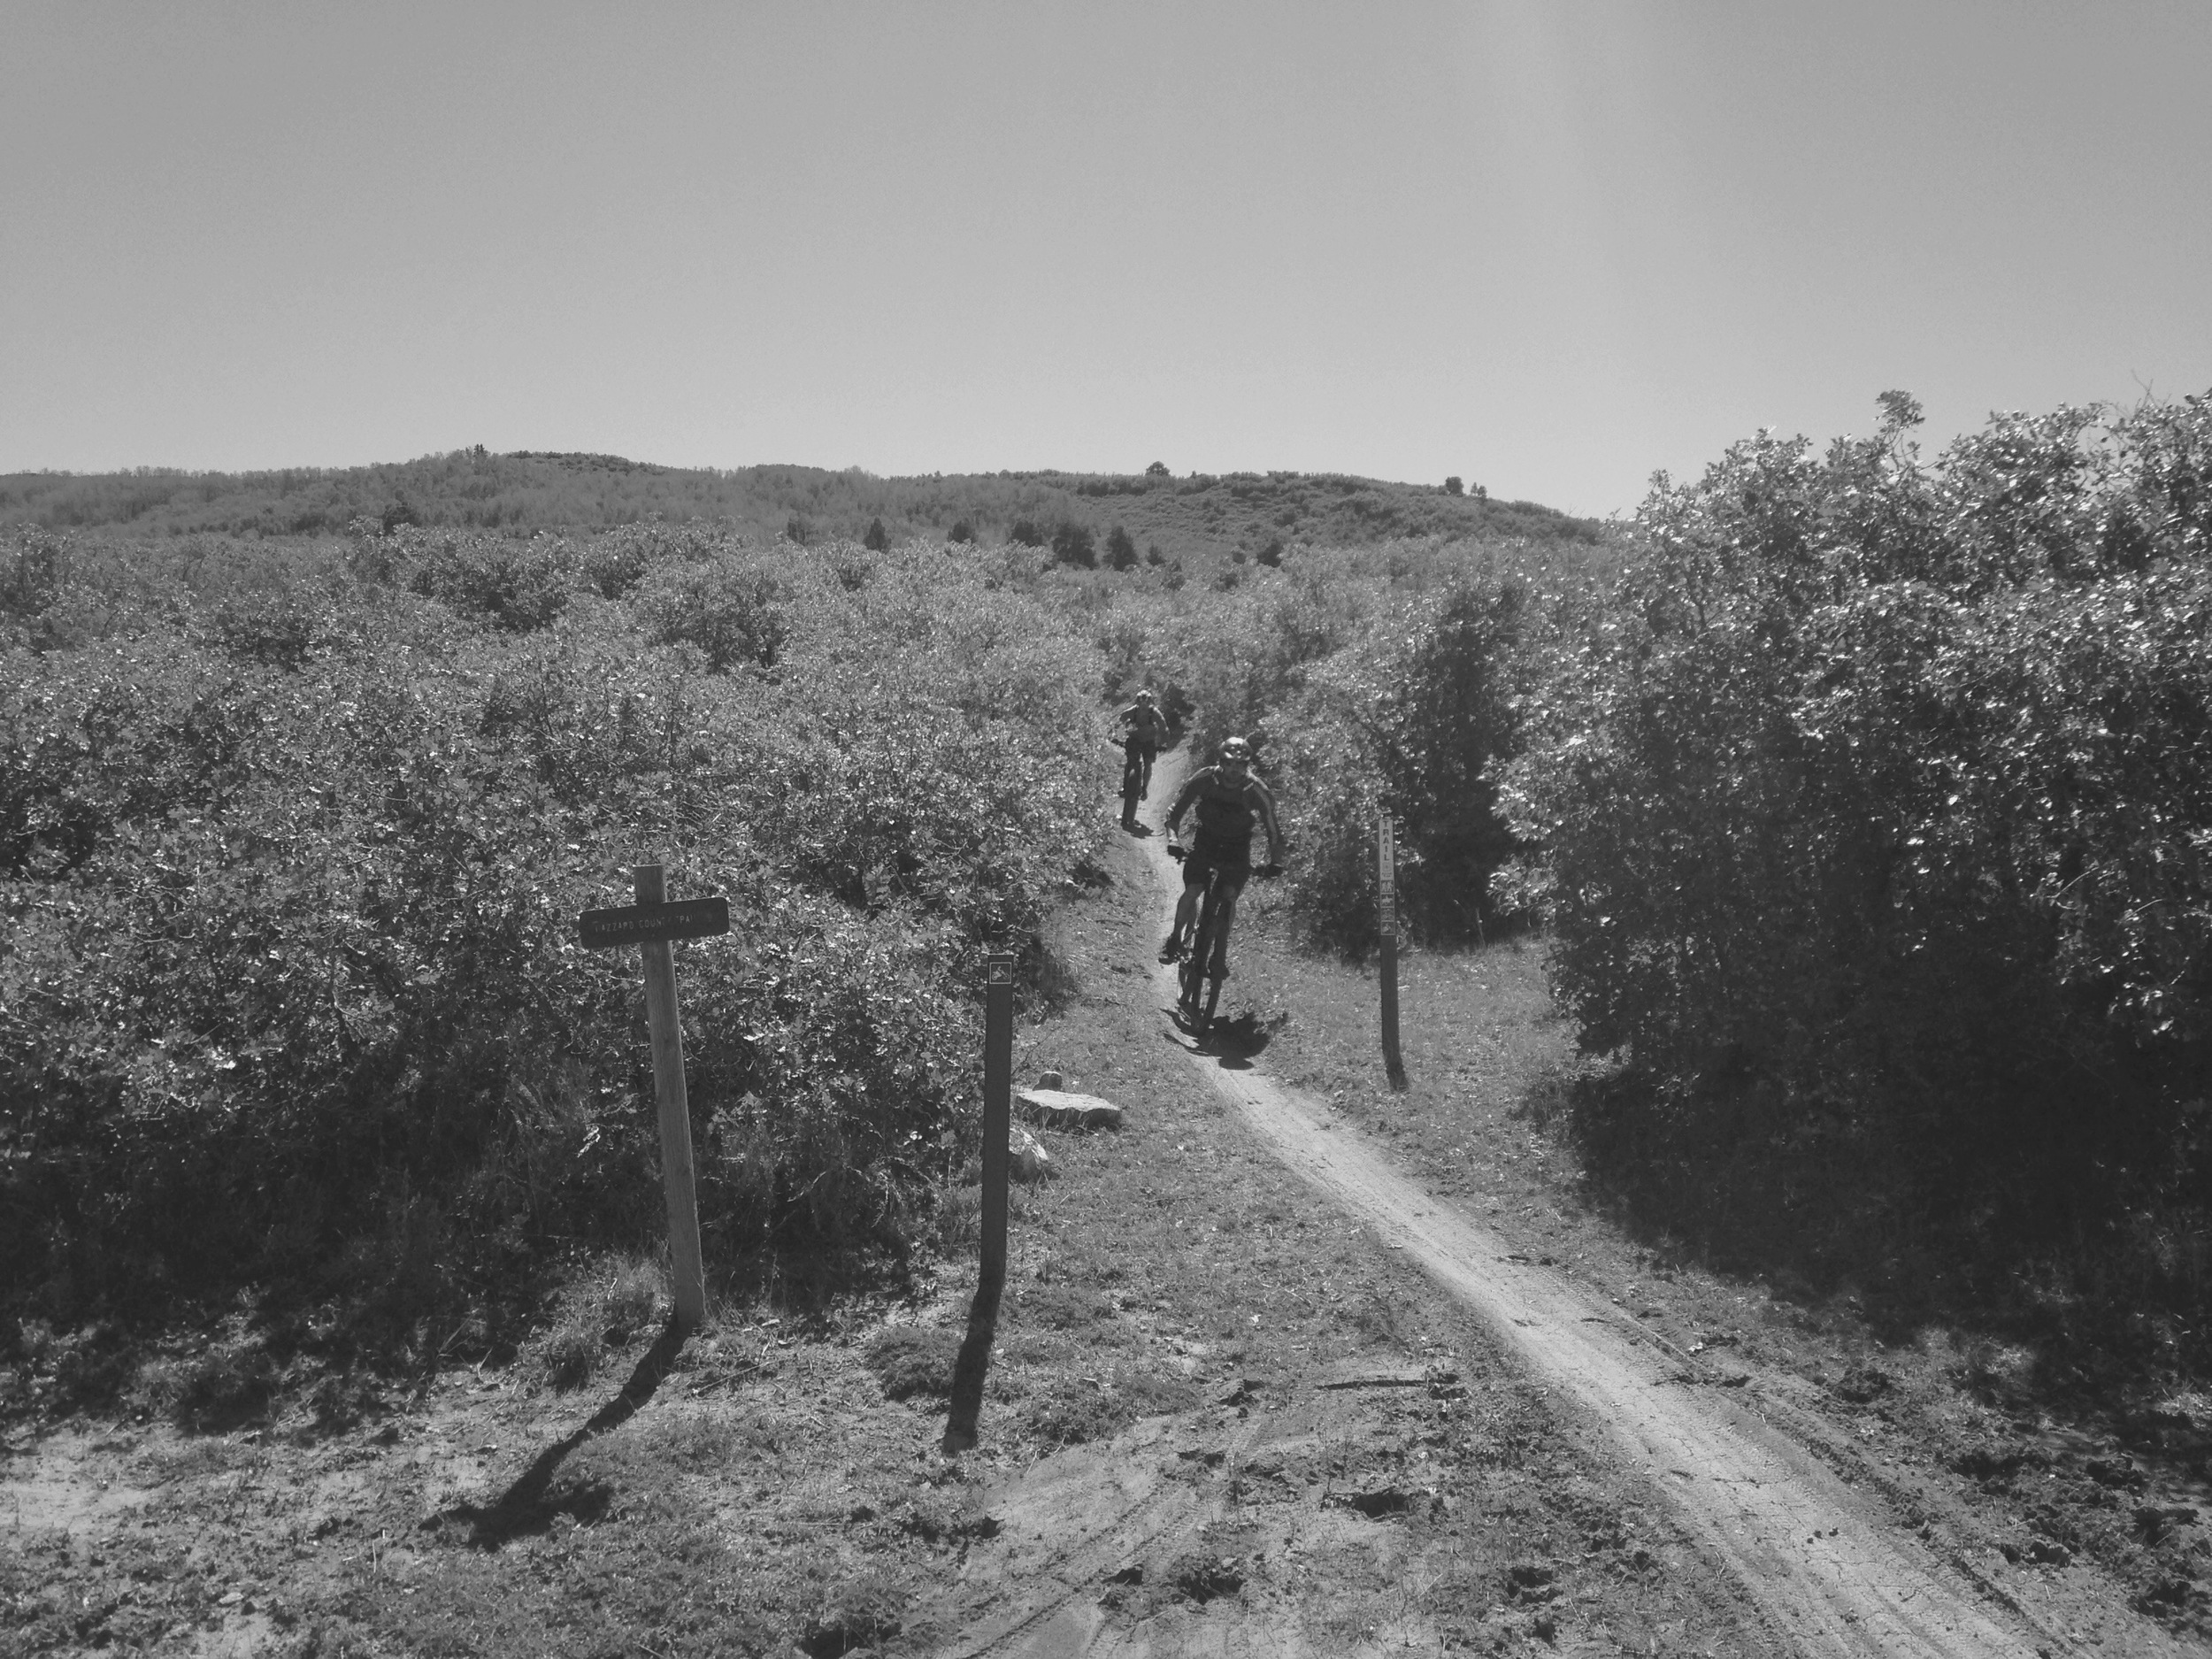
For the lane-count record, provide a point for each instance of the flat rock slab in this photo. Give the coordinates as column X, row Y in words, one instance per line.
column 1366, row 1373
column 1054, row 1109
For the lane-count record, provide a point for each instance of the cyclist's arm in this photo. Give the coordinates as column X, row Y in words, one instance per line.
column 1188, row 794
column 1267, row 815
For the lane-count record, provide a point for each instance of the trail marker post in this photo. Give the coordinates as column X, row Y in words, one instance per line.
column 651, row 923
column 998, row 1113
column 1387, row 921
column 965, row 1407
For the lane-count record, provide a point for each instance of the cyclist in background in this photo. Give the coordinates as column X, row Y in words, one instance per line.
column 1228, row 797
column 1147, row 730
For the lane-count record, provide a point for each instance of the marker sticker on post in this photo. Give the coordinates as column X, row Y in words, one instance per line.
column 1001, row 971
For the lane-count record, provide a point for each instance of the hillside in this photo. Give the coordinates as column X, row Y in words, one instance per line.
column 1198, row 516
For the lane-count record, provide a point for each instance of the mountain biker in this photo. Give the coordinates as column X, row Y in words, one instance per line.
column 1147, row 730
column 1227, row 797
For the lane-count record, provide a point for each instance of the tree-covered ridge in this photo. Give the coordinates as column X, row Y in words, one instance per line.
column 1200, row 517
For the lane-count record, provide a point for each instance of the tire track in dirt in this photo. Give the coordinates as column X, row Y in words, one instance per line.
column 1825, row 1567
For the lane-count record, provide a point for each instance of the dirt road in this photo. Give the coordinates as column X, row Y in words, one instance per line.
column 1828, row 1570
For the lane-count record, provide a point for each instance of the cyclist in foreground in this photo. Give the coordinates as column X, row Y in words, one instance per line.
column 1228, row 797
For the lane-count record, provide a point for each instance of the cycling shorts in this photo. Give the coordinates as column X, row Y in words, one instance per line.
column 1208, row 853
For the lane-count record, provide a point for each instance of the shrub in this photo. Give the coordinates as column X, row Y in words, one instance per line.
column 290, row 995
column 731, row 605
column 1871, row 803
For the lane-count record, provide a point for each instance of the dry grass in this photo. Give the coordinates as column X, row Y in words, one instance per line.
column 604, row 1309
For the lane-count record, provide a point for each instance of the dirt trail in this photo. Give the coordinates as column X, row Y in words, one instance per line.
column 1829, row 1572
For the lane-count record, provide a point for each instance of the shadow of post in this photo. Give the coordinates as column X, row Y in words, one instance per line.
column 968, row 1370
column 523, row 1507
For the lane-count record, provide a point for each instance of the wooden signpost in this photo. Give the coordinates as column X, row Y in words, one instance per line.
column 651, row 923
column 1386, row 902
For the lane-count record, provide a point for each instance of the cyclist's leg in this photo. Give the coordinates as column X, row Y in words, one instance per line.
column 1186, row 906
column 1144, row 783
column 1231, row 883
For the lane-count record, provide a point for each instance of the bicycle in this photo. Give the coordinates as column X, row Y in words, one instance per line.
column 1136, row 781
column 1199, row 978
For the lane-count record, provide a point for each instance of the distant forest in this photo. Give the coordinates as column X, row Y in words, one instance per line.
column 1203, row 515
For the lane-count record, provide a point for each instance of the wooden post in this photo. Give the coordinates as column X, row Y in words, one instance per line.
column 965, row 1407
column 1387, row 904
column 677, row 1177
column 998, row 1113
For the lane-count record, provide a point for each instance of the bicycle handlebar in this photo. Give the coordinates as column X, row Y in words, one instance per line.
column 1180, row 853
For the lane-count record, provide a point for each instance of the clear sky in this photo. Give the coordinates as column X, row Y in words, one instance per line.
column 1549, row 246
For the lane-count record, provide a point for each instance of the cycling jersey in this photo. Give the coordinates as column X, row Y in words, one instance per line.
column 1147, row 724
column 1227, row 805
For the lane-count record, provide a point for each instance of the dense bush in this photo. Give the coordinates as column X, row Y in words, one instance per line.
column 1415, row 718
column 1875, row 807
column 288, row 988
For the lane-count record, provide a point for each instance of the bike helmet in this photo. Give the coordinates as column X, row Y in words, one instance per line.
column 1235, row 749
column 1144, row 696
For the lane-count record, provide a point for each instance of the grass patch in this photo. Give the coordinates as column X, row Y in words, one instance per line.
column 911, row 1360
column 1075, row 1410
column 601, row 1311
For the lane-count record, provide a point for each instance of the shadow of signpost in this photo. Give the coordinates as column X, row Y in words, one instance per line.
column 968, row 1371
column 523, row 1507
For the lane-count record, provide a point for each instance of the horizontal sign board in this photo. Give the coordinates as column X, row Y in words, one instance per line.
column 635, row 924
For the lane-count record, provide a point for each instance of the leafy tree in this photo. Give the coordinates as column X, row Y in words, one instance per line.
column 1121, row 550
column 1416, row 717
column 961, row 534
column 1454, row 486
column 1026, row 533
column 878, row 540
column 1158, row 468
column 1073, row 543
column 1272, row 555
